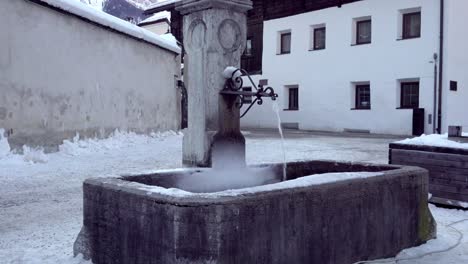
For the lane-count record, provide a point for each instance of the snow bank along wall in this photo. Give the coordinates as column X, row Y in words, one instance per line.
column 61, row 74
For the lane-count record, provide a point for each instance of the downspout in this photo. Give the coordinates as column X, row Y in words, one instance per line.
column 441, row 67
column 434, row 109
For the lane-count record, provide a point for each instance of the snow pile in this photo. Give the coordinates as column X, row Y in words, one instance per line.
column 232, row 73
column 4, row 146
column 117, row 140
column 81, row 147
column 434, row 140
column 96, row 4
column 34, row 155
column 316, row 179
column 115, row 23
column 37, row 257
column 157, row 16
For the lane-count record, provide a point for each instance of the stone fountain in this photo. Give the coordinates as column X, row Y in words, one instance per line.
column 324, row 212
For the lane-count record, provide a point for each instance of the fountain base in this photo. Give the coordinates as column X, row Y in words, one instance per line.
column 143, row 219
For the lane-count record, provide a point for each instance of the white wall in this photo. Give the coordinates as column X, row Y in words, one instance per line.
column 325, row 76
column 455, row 104
column 60, row 75
column 159, row 28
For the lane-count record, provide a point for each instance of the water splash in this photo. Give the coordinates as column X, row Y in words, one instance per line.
column 280, row 129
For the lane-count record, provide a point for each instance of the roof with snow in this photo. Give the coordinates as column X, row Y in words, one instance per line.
column 158, row 17
column 94, row 16
column 161, row 6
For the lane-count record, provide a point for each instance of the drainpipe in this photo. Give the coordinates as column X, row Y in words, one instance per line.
column 441, row 67
column 434, row 109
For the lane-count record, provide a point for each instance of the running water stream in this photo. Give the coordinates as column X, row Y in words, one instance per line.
column 280, row 129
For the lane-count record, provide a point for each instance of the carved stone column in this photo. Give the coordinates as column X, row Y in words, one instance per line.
column 214, row 38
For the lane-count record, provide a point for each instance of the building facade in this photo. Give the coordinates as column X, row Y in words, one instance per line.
column 386, row 67
column 370, row 66
column 159, row 23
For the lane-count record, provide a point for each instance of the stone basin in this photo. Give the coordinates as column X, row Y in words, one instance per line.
column 333, row 218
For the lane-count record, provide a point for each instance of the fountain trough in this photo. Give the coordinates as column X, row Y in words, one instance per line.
column 143, row 219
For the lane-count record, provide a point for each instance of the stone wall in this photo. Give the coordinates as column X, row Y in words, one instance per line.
column 336, row 223
column 61, row 74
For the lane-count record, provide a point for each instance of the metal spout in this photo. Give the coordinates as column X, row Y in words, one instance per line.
column 233, row 89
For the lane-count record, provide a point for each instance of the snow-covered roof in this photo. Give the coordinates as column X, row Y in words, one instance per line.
column 157, row 17
column 79, row 9
column 160, row 6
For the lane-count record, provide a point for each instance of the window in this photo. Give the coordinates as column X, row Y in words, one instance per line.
column 410, row 95
column 363, row 31
column 319, row 38
column 248, row 47
column 412, row 25
column 285, row 43
column 363, row 99
column 453, row 86
column 293, row 98
column 247, row 99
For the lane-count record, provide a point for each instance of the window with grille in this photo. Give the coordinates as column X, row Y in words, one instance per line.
column 247, row 99
column 248, row 48
column 412, row 25
column 319, row 38
column 364, row 32
column 363, row 97
column 293, row 99
column 410, row 95
column 285, row 43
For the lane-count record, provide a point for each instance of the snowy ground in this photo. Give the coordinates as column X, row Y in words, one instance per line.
column 41, row 199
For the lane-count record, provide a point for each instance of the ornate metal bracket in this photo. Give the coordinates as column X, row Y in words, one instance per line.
column 234, row 85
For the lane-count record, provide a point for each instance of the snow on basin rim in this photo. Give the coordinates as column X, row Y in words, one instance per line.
column 316, row 179
column 90, row 13
column 434, row 140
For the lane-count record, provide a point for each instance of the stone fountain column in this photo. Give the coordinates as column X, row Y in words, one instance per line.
column 215, row 33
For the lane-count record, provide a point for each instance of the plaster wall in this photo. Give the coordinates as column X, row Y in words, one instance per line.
column 455, row 109
column 60, row 75
column 325, row 77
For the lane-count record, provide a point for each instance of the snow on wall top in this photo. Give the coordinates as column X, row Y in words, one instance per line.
column 434, row 140
column 156, row 17
column 89, row 13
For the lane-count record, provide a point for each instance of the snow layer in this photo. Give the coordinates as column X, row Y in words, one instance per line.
column 115, row 23
column 4, row 146
column 41, row 203
column 34, row 155
column 164, row 2
column 231, row 72
column 157, row 16
column 434, row 140
column 169, row 37
column 300, row 182
column 96, row 4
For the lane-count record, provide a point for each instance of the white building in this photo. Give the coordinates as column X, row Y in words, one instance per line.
column 366, row 66
column 159, row 23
